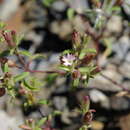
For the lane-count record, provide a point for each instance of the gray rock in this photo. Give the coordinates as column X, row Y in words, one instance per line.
column 78, row 5
column 60, row 102
column 98, row 97
column 59, row 6
column 120, row 103
column 9, row 122
column 7, row 8
column 121, row 47
column 126, row 7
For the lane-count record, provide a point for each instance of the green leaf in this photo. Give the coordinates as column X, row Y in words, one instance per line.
column 43, row 102
column 76, row 82
column 29, row 86
column 33, row 83
column 36, row 56
column 85, row 51
column 56, row 112
column 41, row 121
column 67, row 52
column 64, row 68
column 21, row 76
column 1, row 39
column 115, row 8
column 5, row 68
column 25, row 53
column 50, row 79
column 18, row 39
column 84, row 69
column 37, row 128
column 2, row 25
column 5, row 53
column 70, row 13
column 47, row 2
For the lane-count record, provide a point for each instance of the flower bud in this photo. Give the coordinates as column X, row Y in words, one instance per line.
column 22, row 91
column 76, row 38
column 3, row 60
column 7, row 75
column 8, row 38
column 96, row 70
column 13, row 33
column 87, row 118
column 87, row 59
column 30, row 121
column 2, row 92
column 76, row 74
column 14, row 36
column 119, row 2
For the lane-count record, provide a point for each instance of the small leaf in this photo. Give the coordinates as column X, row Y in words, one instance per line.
column 56, row 112
column 21, row 76
column 47, row 2
column 1, row 39
column 5, row 68
column 85, row 51
column 50, row 79
column 115, row 8
column 84, row 69
column 36, row 56
column 18, row 39
column 2, row 25
column 25, row 53
column 2, row 92
column 66, row 52
column 76, row 82
column 41, row 121
column 37, row 128
column 64, row 68
column 5, row 53
column 29, row 86
column 43, row 102
column 70, row 13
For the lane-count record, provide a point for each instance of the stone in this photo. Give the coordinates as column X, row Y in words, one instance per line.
column 7, row 8
column 99, row 97
column 9, row 122
column 59, row 6
column 60, row 102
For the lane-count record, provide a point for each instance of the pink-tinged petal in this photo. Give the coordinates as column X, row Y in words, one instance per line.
column 68, row 59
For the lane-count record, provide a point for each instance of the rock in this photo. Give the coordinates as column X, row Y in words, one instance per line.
column 104, row 84
column 59, row 6
column 97, row 125
column 78, row 5
column 120, row 103
column 124, row 122
column 60, row 102
column 115, row 20
column 9, row 122
column 36, row 38
column 98, row 97
column 126, row 7
column 121, row 48
column 7, row 8
column 58, row 27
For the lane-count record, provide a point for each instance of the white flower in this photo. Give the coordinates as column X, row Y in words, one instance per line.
column 68, row 59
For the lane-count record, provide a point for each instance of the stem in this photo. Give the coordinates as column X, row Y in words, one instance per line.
column 114, row 82
column 20, row 58
column 46, row 71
